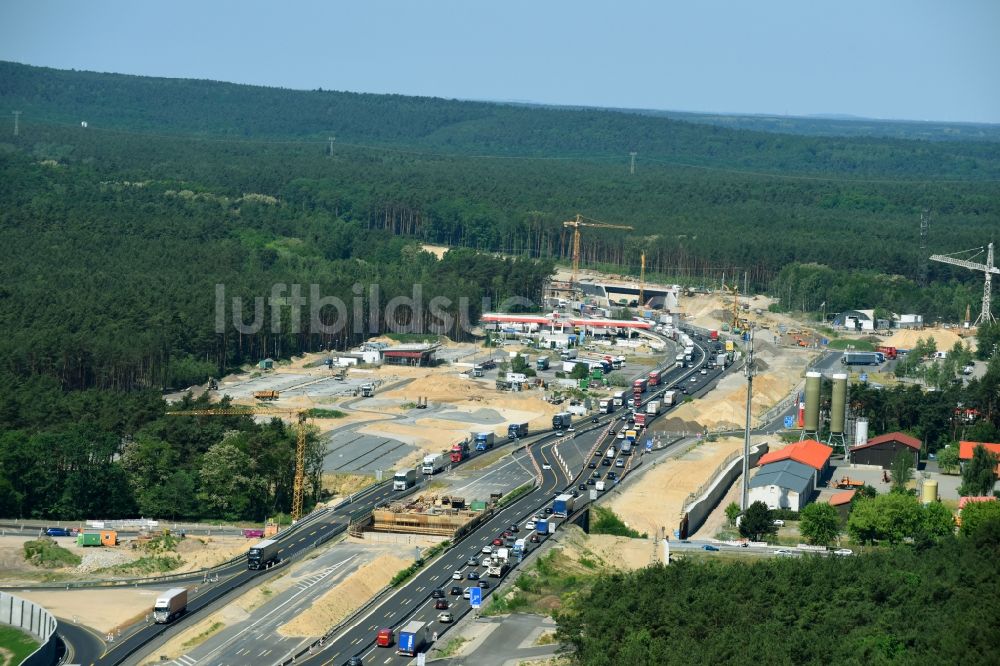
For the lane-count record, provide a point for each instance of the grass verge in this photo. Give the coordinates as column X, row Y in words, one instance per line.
column 544, row 587
column 514, row 495
column 319, row 413
column 405, row 574
column 203, row 636
column 452, row 647
column 606, row 521
column 15, row 645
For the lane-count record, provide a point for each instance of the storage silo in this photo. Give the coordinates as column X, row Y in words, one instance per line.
column 812, row 403
column 861, row 433
column 838, row 410
column 929, row 491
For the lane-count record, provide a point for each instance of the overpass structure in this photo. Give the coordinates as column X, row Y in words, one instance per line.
column 557, row 322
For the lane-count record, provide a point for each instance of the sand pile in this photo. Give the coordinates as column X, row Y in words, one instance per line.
column 344, row 598
column 657, row 497
column 99, row 609
column 206, row 552
column 945, row 339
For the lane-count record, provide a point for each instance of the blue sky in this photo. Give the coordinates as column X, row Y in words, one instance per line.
column 920, row 59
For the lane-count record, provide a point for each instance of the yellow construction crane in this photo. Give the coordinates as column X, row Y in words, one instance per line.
column 300, row 445
column 575, row 224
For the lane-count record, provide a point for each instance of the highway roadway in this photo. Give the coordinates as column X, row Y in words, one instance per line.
column 85, row 646
column 414, row 601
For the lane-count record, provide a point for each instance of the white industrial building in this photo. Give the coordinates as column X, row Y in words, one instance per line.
column 785, row 484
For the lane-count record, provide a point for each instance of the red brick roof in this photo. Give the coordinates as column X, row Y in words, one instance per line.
column 808, row 452
column 837, row 499
column 900, row 437
column 965, row 449
column 971, row 499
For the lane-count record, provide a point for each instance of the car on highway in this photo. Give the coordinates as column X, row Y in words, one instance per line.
column 591, row 481
column 498, row 541
column 530, row 525
column 606, row 462
column 473, row 575
column 621, row 435
column 595, row 420
column 438, row 593
column 472, row 561
column 446, row 618
column 486, row 560
column 354, row 661
column 455, row 590
column 592, row 465
column 484, row 584
column 533, row 538
column 619, row 463
column 582, row 486
column 457, row 575
column 466, row 594
column 783, row 551
column 487, row 549
column 704, row 371
column 548, row 510
column 546, row 466
column 843, row 551
column 611, row 476
column 684, row 391
column 514, row 528
column 559, row 433
column 709, row 546
column 694, row 379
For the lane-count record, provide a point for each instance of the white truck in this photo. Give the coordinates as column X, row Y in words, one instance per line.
column 170, row 604
column 652, row 408
column 669, row 398
column 498, row 563
column 434, row 463
column 605, row 406
column 599, row 485
column 619, row 399
column 404, row 478
column 568, row 366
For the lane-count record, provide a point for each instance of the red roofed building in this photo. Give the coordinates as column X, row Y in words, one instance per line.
column 842, row 502
column 882, row 450
column 965, row 450
column 808, row 452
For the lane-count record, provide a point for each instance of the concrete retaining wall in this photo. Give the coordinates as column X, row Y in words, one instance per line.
column 32, row 619
column 698, row 510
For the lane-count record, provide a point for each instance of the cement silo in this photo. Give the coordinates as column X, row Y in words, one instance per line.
column 838, row 409
column 928, row 491
column 861, row 433
column 812, row 404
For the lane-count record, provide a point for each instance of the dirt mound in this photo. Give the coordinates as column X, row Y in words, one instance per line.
column 675, row 424
column 943, row 338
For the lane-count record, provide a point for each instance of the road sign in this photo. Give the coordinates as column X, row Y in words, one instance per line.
column 421, row 659
column 789, row 421
column 476, row 597
column 649, row 444
column 863, row 377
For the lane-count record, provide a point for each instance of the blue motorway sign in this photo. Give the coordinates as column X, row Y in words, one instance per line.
column 649, row 444
column 789, row 421
column 863, row 377
column 476, row 596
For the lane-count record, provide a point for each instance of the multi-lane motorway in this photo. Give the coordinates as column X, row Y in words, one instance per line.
column 410, row 601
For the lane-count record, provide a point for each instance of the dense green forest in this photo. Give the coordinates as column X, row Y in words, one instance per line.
column 903, row 604
column 120, row 236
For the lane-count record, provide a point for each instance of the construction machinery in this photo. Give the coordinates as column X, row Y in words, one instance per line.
column 986, row 315
column 578, row 222
column 300, row 444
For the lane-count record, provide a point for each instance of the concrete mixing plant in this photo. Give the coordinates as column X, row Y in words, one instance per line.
column 838, row 412
column 811, row 427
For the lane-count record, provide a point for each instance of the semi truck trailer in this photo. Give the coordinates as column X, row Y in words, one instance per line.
column 404, row 479
column 170, row 605
column 434, row 463
column 262, row 554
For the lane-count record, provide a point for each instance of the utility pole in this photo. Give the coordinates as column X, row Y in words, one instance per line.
column 17, row 128
column 631, row 168
column 925, row 220
column 748, row 371
column 331, row 140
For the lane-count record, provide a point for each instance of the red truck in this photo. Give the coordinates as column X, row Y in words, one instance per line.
column 713, row 336
column 459, row 452
column 384, row 638
column 890, row 352
column 654, row 378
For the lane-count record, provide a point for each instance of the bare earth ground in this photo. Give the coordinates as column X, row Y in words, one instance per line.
column 611, row 552
column 102, row 610
column 657, row 497
column 345, row 597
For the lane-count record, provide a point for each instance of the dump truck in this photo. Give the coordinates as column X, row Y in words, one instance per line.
column 404, row 479
column 434, row 463
column 170, row 605
column 562, row 505
column 484, row 440
column 412, row 639
column 516, row 430
column 262, row 554
column 266, row 395
column 478, row 370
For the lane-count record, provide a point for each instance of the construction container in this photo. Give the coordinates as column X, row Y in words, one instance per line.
column 89, row 539
column 109, row 538
column 477, row 505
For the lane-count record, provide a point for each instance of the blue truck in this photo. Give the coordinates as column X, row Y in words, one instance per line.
column 562, row 505
column 484, row 440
